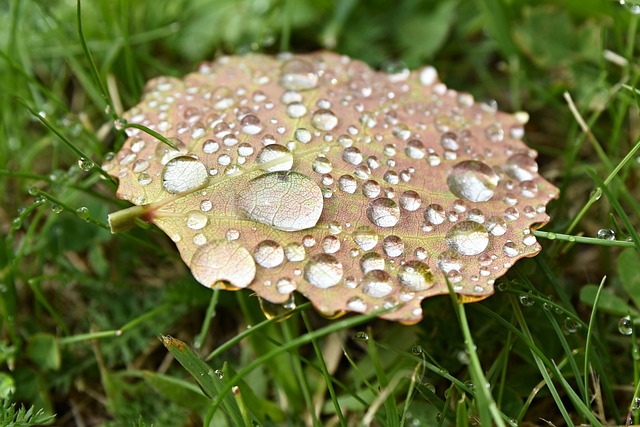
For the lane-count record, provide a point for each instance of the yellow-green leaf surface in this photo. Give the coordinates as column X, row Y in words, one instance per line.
column 314, row 173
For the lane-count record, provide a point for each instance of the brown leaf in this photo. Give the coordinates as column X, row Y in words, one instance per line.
column 359, row 189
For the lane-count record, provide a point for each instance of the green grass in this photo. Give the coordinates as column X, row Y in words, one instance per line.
column 82, row 310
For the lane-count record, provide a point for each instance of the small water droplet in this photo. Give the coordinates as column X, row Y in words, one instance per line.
column 371, row 261
column 526, row 300
column 348, row 184
column 472, row 180
column 361, row 336
column 365, row 237
column 83, row 213
column 295, row 110
column 196, row 220
column 521, row 167
column 468, row 238
column 415, row 149
column 393, row 246
column 415, row 276
column 625, row 325
column 268, row 254
column 322, row 165
column 298, row 74
column 323, row 271
column 383, row 212
column 55, row 208
column 435, row 214
column 324, row 120
column 377, row 284
column 250, row 124
column 410, row 200
column 85, row 164
column 275, row 157
column 330, row 244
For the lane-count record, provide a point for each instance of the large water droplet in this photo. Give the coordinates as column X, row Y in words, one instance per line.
column 183, row 173
column 268, row 254
column 323, row 271
column 324, row 120
column 383, row 212
column 298, row 74
column 223, row 260
column 275, row 157
column 468, row 238
column 365, row 238
column 415, row 276
column 288, row 201
column 472, row 180
column 377, row 284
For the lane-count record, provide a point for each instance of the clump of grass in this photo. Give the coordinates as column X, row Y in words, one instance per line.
column 81, row 310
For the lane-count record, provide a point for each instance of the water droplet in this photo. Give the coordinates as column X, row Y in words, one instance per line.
column 496, row 226
column 268, row 254
column 510, row 249
column 472, row 180
column 449, row 260
column 56, row 208
column 182, row 174
column 303, row 135
column 365, row 238
column 322, row 165
column 415, row 276
column 371, row 261
column 222, row 98
column 295, row 252
column 383, row 212
column 144, row 179
column 371, row 189
column 606, row 234
column 330, row 244
column 393, row 246
column 410, row 200
column 288, row 201
column 298, row 74
column 140, row 165
column 357, row 305
column 275, row 157
column 223, row 260
column 352, row 155
column 348, row 184
column 415, row 149
column 571, row 326
column 85, row 164
column 435, row 214
column 83, row 213
column 295, row 110
column 250, row 124
column 377, row 284
column 522, row 167
column 526, row 300
column 323, row 271
column 196, row 220
column 625, row 325
column 361, row 336
column 468, row 238
column 324, row 120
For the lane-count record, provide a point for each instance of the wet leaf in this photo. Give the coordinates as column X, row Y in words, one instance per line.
column 314, row 173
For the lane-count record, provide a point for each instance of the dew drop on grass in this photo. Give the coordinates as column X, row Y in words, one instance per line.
column 625, row 325
column 83, row 213
column 383, row 212
column 287, row 201
column 85, row 164
column 468, row 238
column 323, row 271
column 606, row 234
column 526, row 300
column 223, row 260
column 361, row 336
column 183, row 173
column 472, row 180
column 55, row 208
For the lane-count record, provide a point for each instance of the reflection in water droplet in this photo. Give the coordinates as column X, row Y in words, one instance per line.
column 496, row 226
column 323, row 271
column 365, row 238
column 606, row 234
column 377, row 284
column 371, row 261
column 415, row 276
column 182, row 174
column 434, row 214
column 196, row 220
column 410, row 200
column 275, row 157
column 472, row 180
column 522, row 167
column 222, row 260
column 625, row 325
column 298, row 74
column 288, row 201
column 324, row 120
column 383, row 212
column 468, row 238
column 268, row 254
column 393, row 246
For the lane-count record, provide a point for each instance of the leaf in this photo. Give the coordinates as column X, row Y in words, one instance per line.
column 628, row 271
column 44, row 350
column 359, row 189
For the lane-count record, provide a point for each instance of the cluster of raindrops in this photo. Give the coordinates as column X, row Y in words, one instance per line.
column 363, row 190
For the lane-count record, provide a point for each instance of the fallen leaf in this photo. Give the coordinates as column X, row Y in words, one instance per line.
column 314, row 173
